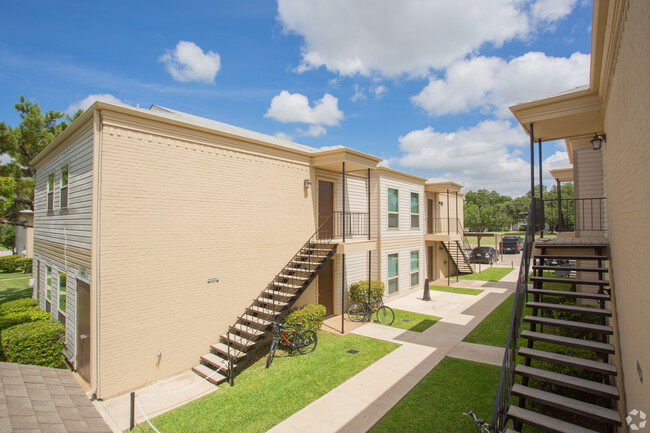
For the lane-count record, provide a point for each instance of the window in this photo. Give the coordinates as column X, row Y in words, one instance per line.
column 415, row 268
column 393, row 208
column 50, row 193
column 415, row 210
column 63, row 282
column 393, row 272
column 48, row 287
column 64, row 188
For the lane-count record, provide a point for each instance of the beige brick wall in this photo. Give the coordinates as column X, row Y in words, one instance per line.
column 626, row 163
column 176, row 210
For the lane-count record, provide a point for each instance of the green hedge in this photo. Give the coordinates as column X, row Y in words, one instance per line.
column 13, row 318
column 35, row 343
column 25, row 264
column 310, row 315
column 9, row 263
column 18, row 305
column 359, row 291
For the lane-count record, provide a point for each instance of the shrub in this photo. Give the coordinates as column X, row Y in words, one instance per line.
column 13, row 318
column 359, row 291
column 18, row 305
column 9, row 263
column 36, row 343
column 25, row 264
column 310, row 315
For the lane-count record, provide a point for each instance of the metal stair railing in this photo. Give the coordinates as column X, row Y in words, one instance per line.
column 507, row 378
column 307, row 254
column 466, row 246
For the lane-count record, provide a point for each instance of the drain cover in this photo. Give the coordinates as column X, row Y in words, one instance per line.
column 352, row 351
column 406, row 320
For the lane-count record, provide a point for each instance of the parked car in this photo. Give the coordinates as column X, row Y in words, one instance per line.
column 486, row 255
column 512, row 244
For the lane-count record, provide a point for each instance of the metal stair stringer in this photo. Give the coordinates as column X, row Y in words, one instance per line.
column 455, row 251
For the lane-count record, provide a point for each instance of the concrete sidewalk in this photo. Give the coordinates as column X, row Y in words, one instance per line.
column 359, row 403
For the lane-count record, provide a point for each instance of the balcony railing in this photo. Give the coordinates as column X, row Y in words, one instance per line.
column 356, row 224
column 568, row 215
column 443, row 225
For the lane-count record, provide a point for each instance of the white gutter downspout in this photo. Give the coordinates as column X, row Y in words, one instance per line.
column 98, row 175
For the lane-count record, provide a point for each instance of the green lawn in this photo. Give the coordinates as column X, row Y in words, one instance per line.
column 489, row 274
column 9, row 275
column 493, row 330
column 412, row 321
column 437, row 403
column 261, row 398
column 15, row 288
column 458, row 290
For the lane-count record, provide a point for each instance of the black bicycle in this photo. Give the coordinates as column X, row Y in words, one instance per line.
column 360, row 311
column 303, row 342
column 480, row 423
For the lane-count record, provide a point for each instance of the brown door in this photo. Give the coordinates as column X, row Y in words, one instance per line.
column 429, row 216
column 325, row 208
column 83, row 330
column 326, row 288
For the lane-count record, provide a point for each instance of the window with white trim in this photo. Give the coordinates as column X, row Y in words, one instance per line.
column 393, row 272
column 50, row 193
column 48, row 287
column 415, row 268
column 63, row 283
column 64, row 187
column 393, row 208
column 415, row 210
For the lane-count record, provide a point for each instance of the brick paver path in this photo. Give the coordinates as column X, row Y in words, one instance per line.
column 42, row 399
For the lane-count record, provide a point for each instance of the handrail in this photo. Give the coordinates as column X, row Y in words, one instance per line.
column 576, row 213
column 507, row 377
column 356, row 223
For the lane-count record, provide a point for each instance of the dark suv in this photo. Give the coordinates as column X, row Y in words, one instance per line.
column 511, row 244
column 486, row 255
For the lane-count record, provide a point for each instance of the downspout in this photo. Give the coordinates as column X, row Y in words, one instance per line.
column 448, row 240
column 457, row 232
column 532, row 177
column 343, row 258
column 541, row 186
column 98, row 176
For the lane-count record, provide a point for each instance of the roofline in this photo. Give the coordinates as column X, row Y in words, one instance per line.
column 401, row 173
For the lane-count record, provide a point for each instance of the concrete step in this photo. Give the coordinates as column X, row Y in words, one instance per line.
column 209, row 374
column 255, row 320
column 578, row 407
column 216, row 362
column 292, row 277
column 252, row 332
column 223, row 349
column 238, row 341
column 279, row 293
column 269, row 302
column 265, row 311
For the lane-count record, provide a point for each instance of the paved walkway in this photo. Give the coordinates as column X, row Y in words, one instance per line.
column 360, row 402
column 42, row 399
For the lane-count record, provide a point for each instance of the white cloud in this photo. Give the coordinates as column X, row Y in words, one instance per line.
column 551, row 10
column 294, row 107
column 488, row 155
column 90, row 100
column 493, row 84
column 188, row 62
column 316, row 130
column 284, row 136
column 359, row 94
column 390, row 38
column 379, row 91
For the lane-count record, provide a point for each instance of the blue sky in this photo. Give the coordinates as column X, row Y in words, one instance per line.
column 423, row 84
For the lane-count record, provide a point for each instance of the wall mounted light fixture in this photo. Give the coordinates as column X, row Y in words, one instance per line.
column 597, row 141
column 441, row 203
column 307, row 183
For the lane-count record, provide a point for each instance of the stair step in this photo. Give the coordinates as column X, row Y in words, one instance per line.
column 571, row 268
column 571, row 281
column 223, row 349
column 567, row 341
column 327, row 250
column 581, row 326
column 568, row 381
column 264, row 311
column 304, row 271
column 279, row 293
column 292, row 277
column 256, row 320
column 271, row 302
column 286, row 285
column 544, row 422
column 238, row 340
column 569, row 257
column 578, row 407
column 305, row 263
column 573, row 361
column 209, row 374
column 570, row 308
column 570, row 294
column 256, row 333
column 216, row 361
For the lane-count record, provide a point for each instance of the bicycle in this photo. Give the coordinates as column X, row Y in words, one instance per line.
column 480, row 423
column 303, row 342
column 360, row 311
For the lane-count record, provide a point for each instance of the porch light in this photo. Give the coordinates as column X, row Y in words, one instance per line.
column 597, row 141
column 441, row 202
column 307, row 183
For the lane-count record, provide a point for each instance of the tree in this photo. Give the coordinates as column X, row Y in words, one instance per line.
column 8, row 236
column 22, row 144
column 486, row 210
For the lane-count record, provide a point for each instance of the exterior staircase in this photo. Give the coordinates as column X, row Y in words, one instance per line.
column 235, row 349
column 458, row 255
column 566, row 378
